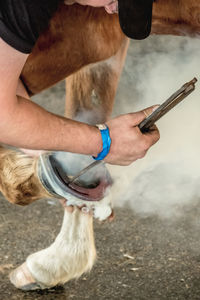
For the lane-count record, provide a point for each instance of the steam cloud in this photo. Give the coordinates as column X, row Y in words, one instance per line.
column 168, row 177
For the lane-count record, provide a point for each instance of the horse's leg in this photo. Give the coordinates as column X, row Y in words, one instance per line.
column 91, row 91
column 72, row 253
column 19, row 182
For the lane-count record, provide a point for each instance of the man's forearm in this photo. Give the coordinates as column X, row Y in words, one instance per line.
column 27, row 125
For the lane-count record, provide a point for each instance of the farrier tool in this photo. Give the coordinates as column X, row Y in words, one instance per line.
column 146, row 124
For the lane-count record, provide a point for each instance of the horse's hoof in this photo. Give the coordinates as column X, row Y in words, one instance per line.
column 22, row 279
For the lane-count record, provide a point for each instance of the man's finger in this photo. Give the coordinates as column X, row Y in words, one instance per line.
column 111, row 217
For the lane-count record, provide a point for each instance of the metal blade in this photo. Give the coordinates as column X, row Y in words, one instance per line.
column 86, row 169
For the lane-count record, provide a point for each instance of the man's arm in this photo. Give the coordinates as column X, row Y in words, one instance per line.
column 26, row 125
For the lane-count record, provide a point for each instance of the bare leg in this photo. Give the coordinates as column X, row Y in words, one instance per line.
column 72, row 253
column 91, row 91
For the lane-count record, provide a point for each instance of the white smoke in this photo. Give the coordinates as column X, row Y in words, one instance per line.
column 168, row 177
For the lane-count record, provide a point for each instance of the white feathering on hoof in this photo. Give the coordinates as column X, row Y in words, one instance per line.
column 101, row 209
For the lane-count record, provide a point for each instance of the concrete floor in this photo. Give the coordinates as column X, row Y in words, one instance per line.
column 140, row 257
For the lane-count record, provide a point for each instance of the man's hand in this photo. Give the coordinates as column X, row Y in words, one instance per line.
column 24, row 124
column 128, row 142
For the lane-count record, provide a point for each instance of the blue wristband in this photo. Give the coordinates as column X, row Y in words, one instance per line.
column 106, row 140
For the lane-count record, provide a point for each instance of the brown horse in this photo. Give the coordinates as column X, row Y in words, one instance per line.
column 86, row 46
